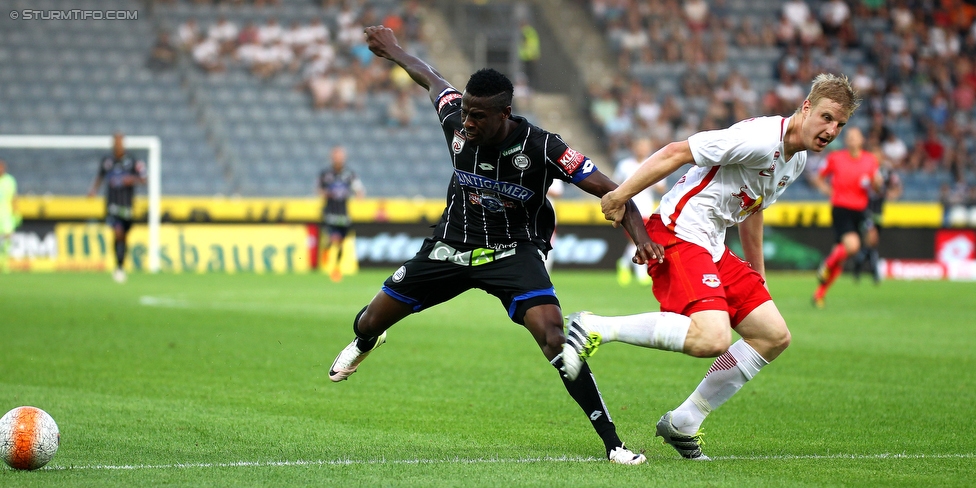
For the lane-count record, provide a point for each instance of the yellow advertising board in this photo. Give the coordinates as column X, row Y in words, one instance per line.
column 276, row 248
column 407, row 210
column 192, row 248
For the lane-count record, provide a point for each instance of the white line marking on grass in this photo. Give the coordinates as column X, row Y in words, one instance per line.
column 564, row 459
column 803, row 457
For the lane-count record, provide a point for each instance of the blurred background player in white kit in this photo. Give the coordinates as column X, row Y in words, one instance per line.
column 640, row 148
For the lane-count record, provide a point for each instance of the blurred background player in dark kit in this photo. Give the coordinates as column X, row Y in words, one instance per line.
column 336, row 186
column 122, row 172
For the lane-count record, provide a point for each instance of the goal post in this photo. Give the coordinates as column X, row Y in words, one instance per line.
column 149, row 143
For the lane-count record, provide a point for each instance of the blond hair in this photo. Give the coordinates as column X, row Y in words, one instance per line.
column 836, row 88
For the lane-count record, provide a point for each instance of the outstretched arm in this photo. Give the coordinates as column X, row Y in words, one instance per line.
column 654, row 169
column 598, row 184
column 383, row 43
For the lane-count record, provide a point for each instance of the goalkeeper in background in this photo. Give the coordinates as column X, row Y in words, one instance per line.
column 123, row 173
column 8, row 219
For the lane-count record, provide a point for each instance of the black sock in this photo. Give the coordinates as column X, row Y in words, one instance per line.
column 119, row 253
column 364, row 343
column 587, row 396
column 874, row 258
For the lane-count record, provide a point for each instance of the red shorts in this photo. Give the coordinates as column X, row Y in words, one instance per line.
column 688, row 281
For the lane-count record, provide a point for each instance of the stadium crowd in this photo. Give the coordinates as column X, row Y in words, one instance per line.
column 330, row 56
column 916, row 73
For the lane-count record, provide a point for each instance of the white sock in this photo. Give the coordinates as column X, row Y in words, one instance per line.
column 658, row 330
column 728, row 374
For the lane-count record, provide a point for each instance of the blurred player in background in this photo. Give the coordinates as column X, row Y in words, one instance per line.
column 123, row 172
column 336, row 185
column 846, row 178
column 8, row 214
column 495, row 229
column 890, row 189
column 641, row 148
column 704, row 290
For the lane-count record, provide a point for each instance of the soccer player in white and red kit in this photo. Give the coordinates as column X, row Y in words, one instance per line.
column 851, row 173
column 705, row 291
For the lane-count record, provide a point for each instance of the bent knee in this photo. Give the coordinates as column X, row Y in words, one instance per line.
column 712, row 343
column 781, row 337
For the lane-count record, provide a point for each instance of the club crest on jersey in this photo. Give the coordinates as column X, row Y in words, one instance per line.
column 711, row 280
column 400, row 273
column 521, row 162
column 783, row 182
column 458, row 143
column 748, row 204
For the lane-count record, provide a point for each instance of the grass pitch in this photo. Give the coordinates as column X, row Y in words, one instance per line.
column 223, row 380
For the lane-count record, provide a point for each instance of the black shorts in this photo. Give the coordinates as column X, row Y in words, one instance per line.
column 846, row 220
column 443, row 270
column 335, row 230
column 116, row 222
column 872, row 220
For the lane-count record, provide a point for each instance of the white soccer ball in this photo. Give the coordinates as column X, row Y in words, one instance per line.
column 28, row 438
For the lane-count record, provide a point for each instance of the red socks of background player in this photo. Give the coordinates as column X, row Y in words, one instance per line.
column 835, row 265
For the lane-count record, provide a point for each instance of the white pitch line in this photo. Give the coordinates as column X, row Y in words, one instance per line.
column 564, row 459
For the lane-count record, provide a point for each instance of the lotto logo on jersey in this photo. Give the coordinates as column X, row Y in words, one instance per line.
column 570, row 160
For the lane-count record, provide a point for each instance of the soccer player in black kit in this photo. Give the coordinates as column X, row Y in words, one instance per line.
column 495, row 228
column 336, row 185
column 123, row 172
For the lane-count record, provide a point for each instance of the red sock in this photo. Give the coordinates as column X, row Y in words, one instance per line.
column 837, row 255
column 835, row 263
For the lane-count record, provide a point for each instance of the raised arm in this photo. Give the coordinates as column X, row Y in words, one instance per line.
column 598, row 184
column 654, row 169
column 383, row 43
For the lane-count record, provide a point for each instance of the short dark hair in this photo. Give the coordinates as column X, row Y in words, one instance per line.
column 490, row 83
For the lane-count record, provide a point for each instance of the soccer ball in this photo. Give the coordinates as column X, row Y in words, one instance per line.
column 28, row 438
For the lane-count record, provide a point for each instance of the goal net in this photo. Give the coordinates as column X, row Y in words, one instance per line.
column 149, row 144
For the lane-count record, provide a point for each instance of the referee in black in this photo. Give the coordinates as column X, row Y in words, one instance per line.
column 122, row 172
column 495, row 228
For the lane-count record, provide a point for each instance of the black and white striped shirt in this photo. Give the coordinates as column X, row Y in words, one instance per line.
column 118, row 196
column 497, row 195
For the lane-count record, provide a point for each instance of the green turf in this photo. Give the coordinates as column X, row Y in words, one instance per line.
column 223, row 380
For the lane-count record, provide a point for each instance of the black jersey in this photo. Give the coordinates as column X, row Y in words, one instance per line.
column 497, row 195
column 118, row 196
column 338, row 187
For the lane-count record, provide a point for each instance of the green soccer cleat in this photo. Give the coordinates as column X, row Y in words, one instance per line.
column 689, row 446
column 580, row 345
column 348, row 360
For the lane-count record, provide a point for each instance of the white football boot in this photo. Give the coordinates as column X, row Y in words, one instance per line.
column 348, row 360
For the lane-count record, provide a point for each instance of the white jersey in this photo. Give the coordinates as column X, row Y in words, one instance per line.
column 645, row 199
column 738, row 171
